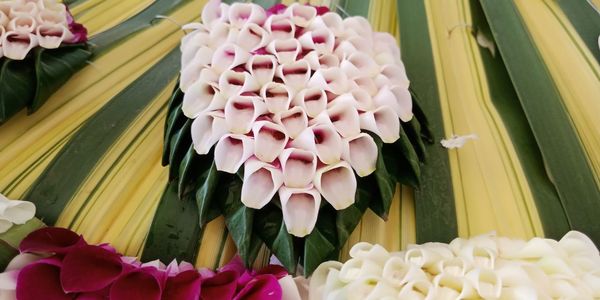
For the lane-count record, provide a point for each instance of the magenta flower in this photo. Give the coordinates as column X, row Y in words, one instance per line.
column 78, row 30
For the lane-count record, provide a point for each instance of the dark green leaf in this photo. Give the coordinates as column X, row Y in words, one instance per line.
column 422, row 119
column 17, row 79
column 321, row 244
column 53, row 67
column 347, row 219
column 178, row 147
column 17, row 233
column 584, row 17
column 209, row 182
column 414, row 134
column 402, row 161
column 7, row 253
column 175, row 119
column 386, row 183
column 269, row 225
column 174, row 232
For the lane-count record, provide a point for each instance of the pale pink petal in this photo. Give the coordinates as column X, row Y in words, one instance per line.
column 280, row 27
column 301, row 15
column 393, row 74
column 228, row 56
column 242, row 13
column 207, row 129
column 358, row 26
column 232, row 151
column 277, row 97
column 312, row 100
column 332, row 80
column 295, row 75
column 344, row 117
column 197, row 57
column 337, row 184
column 23, row 23
column 16, row 45
column 300, row 208
column 361, row 152
column 384, row 122
column 252, row 37
column 367, row 84
column 360, row 100
column 404, row 102
column 269, row 140
column 51, row 36
column 262, row 68
column 298, row 167
column 321, row 40
column 261, row 182
column 3, row 22
column 232, row 83
column 197, row 69
column 197, row 98
column 242, row 111
column 18, row 8
column 352, row 45
column 286, row 50
column 214, row 11
column 359, row 65
column 330, row 20
column 318, row 61
column 293, row 120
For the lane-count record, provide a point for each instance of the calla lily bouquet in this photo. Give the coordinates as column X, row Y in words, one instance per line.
column 41, row 46
column 291, row 122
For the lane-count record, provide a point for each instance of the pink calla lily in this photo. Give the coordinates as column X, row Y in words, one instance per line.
column 19, row 8
column 358, row 26
column 337, row 184
column 286, row 50
column 321, row 61
column 277, row 97
column 136, row 285
column 3, row 21
column 261, row 287
column 228, row 56
column 262, row 68
column 101, row 267
column 243, row 13
column 222, row 286
column 295, row 75
column 300, row 207
column 214, row 11
column 23, row 23
column 261, row 182
column 358, row 65
column 199, row 97
column 330, row 20
column 197, row 70
column 280, row 27
column 232, row 151
column 16, row 45
column 183, row 286
column 359, row 98
column 352, row 44
column 207, row 129
column 252, row 37
column 298, row 167
column 51, row 36
column 51, row 239
column 321, row 40
column 332, row 80
column 383, row 121
column 40, row 281
column 232, row 83
column 242, row 111
column 323, row 140
column 313, row 100
column 403, row 102
column 293, row 120
column 366, row 84
column 269, row 140
column 301, row 15
column 361, row 152
column 393, row 75
column 344, row 117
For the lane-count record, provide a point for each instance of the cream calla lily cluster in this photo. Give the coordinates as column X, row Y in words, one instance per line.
column 26, row 24
column 289, row 96
column 485, row 266
column 14, row 212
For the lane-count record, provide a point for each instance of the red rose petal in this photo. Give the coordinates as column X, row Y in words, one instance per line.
column 40, row 281
column 183, row 286
column 51, row 239
column 89, row 269
column 136, row 285
column 260, row 288
column 219, row 287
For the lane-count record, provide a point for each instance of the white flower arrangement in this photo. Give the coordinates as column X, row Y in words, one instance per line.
column 14, row 212
column 485, row 266
column 290, row 95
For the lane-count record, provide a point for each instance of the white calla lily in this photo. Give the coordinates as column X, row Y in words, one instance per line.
column 214, row 11
column 277, row 97
column 300, row 207
column 360, row 99
column 366, row 251
column 232, row 83
column 299, row 167
column 345, row 118
column 197, row 68
column 486, row 282
column 367, row 84
column 269, row 140
column 232, row 151
column 290, row 289
column 280, row 27
column 482, row 257
column 383, row 121
column 52, row 5
column 261, row 182
column 422, row 257
column 252, row 37
column 331, row 79
column 360, row 289
column 417, row 289
column 358, row 26
column 398, row 272
column 392, row 74
column 301, row 15
column 51, row 36
column 456, row 266
column 262, row 68
column 361, row 152
column 243, row 13
column 16, row 45
column 229, row 56
column 242, row 111
column 293, row 120
column 323, row 140
column 318, row 61
column 51, row 17
column 577, row 243
column 386, row 48
column 451, row 287
column 19, row 8
column 313, row 100
column 286, row 50
column 397, row 98
column 317, row 288
column 207, row 129
column 321, row 40
column 14, row 212
column 198, row 98
column 337, row 184
column 22, row 23
column 295, row 75
column 329, row 20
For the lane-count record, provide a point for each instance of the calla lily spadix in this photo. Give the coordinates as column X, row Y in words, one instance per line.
column 298, row 167
column 207, row 129
column 232, row 151
column 242, row 111
column 261, row 183
column 361, row 152
column 300, row 209
column 383, row 122
column 293, row 120
column 337, row 184
column 277, row 97
column 244, row 13
column 269, row 140
column 16, row 44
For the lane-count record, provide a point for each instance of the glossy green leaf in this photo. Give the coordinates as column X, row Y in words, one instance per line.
column 386, row 183
column 7, row 253
column 347, row 219
column 269, row 225
column 178, row 147
column 191, row 170
column 17, row 233
column 17, row 79
column 175, row 120
column 209, row 181
column 402, row 161
column 53, row 67
column 586, row 20
column 322, row 243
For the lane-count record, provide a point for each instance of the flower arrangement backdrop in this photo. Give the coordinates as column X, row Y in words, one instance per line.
column 523, row 76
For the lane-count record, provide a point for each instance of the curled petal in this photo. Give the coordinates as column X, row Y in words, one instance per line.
column 221, row 286
column 367, row 84
column 277, row 97
column 330, row 20
column 322, row 139
column 321, row 40
column 577, row 243
column 393, row 74
column 355, row 268
column 321, row 61
column 451, row 287
column 51, row 5
column 196, row 69
column 232, row 151
column 399, row 272
column 40, row 281
column 318, row 288
column 269, row 140
column 229, row 56
column 486, row 282
column 313, row 100
column 358, row 26
column 300, row 207
column 243, row 13
column 51, row 240
column 366, row 251
column 293, row 120
column 183, row 286
column 207, row 129
column 352, row 45
column 397, row 98
column 262, row 68
column 22, row 23
column 49, row 17
column 359, row 65
column 22, row 260
column 51, row 36
column 261, row 182
column 214, row 11
column 417, row 289
column 384, row 42
column 286, row 50
column 383, row 122
column 295, row 75
column 456, row 266
column 198, row 97
column 298, row 167
column 252, row 37
column 344, row 117
column 332, row 80
column 260, row 287
column 359, row 99
column 301, row 15
column 136, row 285
column 16, row 45
column 3, row 21
column 337, row 184
column 242, row 111
column 19, row 8
column 291, row 290
column 280, row 27
column 101, row 267
column 16, row 211
column 233, row 83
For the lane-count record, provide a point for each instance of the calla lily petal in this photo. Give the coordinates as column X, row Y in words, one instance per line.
column 40, row 281
column 232, row 151
column 194, row 61
column 207, row 129
column 295, row 75
column 321, row 61
column 355, row 268
column 332, row 80
column 344, row 117
column 22, row 23
column 321, row 40
column 358, row 26
column 252, row 37
column 228, row 56
column 286, row 50
column 337, row 184
column 183, row 286
column 301, row 15
column 280, row 27
column 16, row 211
column 51, row 239
column 262, row 68
column 19, row 8
column 352, row 45
column 417, row 289
column 51, row 36
column 404, row 103
column 3, row 21
column 136, row 285
column 322, row 139
column 375, row 253
column 269, row 140
column 486, row 282
column 330, row 20
column 358, row 65
column 293, row 120
column 101, row 266
column 243, row 13
column 220, row 286
column 242, row 111
column 214, row 11
column 399, row 272
column 16, row 45
column 383, row 121
column 367, row 84
column 300, row 209
column 298, row 167
column 232, row 83
column 198, row 97
column 277, row 97
column 313, row 100
column 260, row 287
column 261, row 182
column 451, row 287
column 393, row 74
